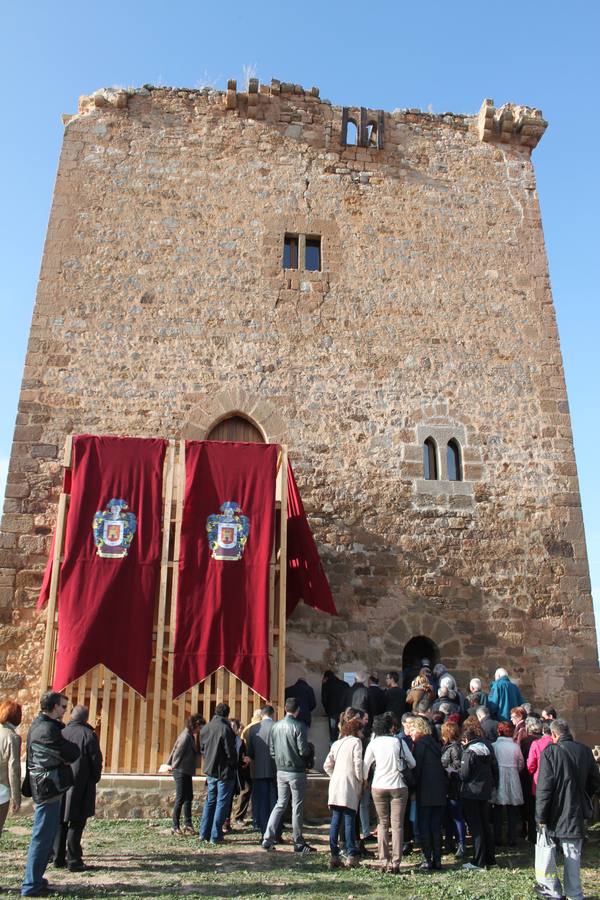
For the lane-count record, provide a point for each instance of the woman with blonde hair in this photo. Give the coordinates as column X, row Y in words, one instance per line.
column 432, row 789
column 421, row 694
column 10, row 759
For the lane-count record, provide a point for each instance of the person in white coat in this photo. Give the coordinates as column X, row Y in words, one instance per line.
column 392, row 758
column 344, row 765
column 509, row 793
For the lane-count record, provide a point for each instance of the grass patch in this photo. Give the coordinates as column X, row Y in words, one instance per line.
column 139, row 859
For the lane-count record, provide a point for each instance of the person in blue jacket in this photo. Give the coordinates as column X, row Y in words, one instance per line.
column 504, row 695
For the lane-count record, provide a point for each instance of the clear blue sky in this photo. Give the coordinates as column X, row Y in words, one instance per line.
column 439, row 55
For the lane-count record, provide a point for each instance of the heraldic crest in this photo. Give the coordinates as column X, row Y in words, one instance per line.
column 114, row 529
column 228, row 531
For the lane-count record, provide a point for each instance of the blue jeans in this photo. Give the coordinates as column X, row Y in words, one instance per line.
column 216, row 806
column 349, row 817
column 264, row 798
column 46, row 820
column 454, row 821
column 364, row 811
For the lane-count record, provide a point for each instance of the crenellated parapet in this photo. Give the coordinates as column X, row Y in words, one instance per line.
column 510, row 124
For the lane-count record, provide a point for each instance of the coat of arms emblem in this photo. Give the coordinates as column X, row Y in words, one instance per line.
column 228, row 531
column 114, row 529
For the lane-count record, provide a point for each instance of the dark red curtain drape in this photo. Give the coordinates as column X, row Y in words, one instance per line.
column 306, row 578
column 226, row 542
column 109, row 576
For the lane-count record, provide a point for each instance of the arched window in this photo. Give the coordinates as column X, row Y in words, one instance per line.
column 235, row 428
column 430, row 466
column 351, row 133
column 453, row 462
column 372, row 134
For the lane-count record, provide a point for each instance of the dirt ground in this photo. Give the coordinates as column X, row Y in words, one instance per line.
column 142, row 859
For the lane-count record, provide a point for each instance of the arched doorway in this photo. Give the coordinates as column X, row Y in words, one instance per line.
column 235, row 428
column 415, row 651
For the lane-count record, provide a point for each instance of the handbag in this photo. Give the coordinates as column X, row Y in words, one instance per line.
column 545, row 856
column 49, row 783
column 409, row 776
column 26, row 785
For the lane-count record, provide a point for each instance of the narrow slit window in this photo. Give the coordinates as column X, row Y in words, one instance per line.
column 290, row 251
column 312, row 262
column 453, row 462
column 371, row 134
column 430, row 468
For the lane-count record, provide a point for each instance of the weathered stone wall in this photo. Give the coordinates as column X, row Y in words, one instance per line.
column 162, row 305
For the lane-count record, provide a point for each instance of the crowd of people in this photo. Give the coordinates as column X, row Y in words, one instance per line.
column 433, row 765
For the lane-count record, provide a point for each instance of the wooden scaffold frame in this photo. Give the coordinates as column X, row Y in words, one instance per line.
column 136, row 734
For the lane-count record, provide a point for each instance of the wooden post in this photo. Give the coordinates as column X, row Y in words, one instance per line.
column 48, row 660
column 282, row 580
column 162, row 602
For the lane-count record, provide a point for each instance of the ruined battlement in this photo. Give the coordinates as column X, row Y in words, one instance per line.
column 303, row 115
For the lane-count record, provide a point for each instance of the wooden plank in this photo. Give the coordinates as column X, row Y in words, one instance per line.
column 220, row 682
column 129, row 730
column 175, row 583
column 48, row 658
column 104, row 716
column 141, row 736
column 116, row 734
column 195, row 692
column 206, row 698
column 282, row 581
column 81, row 691
column 162, row 600
column 244, row 702
column 94, row 677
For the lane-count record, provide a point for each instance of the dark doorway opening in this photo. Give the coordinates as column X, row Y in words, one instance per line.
column 417, row 649
column 235, row 428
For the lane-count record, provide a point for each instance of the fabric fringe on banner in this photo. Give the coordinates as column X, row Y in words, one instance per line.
column 109, row 577
column 306, row 578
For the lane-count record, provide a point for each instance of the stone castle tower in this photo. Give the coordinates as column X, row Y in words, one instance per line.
column 369, row 288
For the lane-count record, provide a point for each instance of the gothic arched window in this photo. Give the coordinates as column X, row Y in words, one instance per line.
column 453, row 461
column 430, row 465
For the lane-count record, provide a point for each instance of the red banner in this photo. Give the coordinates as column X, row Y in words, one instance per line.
column 226, row 541
column 109, row 576
column 306, row 578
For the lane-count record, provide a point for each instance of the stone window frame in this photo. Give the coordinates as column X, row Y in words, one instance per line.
column 442, row 434
column 302, row 238
column 294, row 283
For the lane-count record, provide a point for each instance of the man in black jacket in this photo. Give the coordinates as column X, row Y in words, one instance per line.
column 478, row 776
column 79, row 802
column 217, row 744
column 333, row 698
column 49, row 774
column 305, row 696
column 568, row 772
column 394, row 696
